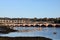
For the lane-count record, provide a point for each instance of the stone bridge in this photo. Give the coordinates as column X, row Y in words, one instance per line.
column 32, row 25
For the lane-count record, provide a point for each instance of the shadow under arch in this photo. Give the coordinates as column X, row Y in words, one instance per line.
column 21, row 25
column 31, row 25
column 43, row 25
column 57, row 26
column 37, row 26
column 26, row 26
column 50, row 25
column 16, row 25
column 11, row 25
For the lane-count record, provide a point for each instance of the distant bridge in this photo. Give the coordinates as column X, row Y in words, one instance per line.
column 31, row 25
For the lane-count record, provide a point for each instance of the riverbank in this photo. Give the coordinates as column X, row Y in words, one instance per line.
column 24, row 38
column 5, row 30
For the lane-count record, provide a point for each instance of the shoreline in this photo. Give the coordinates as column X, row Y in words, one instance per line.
column 24, row 38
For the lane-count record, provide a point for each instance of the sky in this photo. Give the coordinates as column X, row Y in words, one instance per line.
column 30, row 8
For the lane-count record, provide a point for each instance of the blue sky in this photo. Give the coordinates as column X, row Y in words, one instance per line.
column 30, row 8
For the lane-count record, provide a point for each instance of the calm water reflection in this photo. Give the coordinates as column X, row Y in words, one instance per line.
column 35, row 31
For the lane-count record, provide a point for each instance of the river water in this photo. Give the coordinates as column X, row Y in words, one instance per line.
column 48, row 32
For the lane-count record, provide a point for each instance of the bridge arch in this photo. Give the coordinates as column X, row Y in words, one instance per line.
column 36, row 25
column 26, row 25
column 43, row 25
column 57, row 25
column 50, row 25
column 21, row 25
column 31, row 25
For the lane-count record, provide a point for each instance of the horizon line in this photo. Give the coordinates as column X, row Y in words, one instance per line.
column 29, row 17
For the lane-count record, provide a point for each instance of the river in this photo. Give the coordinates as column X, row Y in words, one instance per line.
column 48, row 32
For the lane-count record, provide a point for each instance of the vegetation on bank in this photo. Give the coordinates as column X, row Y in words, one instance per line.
column 52, row 20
